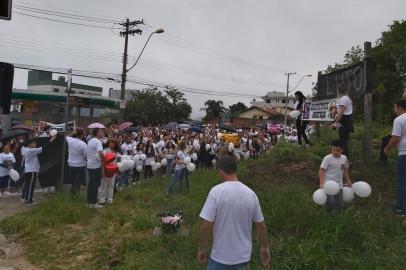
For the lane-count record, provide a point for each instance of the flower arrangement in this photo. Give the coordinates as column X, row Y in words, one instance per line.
column 170, row 221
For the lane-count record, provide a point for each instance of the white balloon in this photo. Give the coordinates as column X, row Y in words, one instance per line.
column 53, row 132
column 187, row 160
column 121, row 167
column 348, row 194
column 219, row 135
column 154, row 168
column 139, row 168
column 143, row 157
column 213, row 161
column 294, row 114
column 362, row 189
column 231, row 144
column 125, row 157
column 130, row 163
column 194, row 156
column 164, row 162
column 14, row 175
column 320, row 197
column 191, row 167
column 247, row 155
column 158, row 165
column 208, row 146
column 136, row 157
column 126, row 164
column 230, row 148
column 153, row 163
column 331, row 188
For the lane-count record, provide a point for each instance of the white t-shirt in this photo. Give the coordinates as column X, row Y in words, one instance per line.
column 31, row 159
column 93, row 147
column 77, row 152
column 347, row 103
column 181, row 155
column 334, row 168
column 127, row 148
column 233, row 207
column 399, row 129
column 7, row 160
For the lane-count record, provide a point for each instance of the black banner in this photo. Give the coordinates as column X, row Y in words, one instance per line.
column 352, row 77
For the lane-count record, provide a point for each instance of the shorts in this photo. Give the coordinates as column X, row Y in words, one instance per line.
column 4, row 181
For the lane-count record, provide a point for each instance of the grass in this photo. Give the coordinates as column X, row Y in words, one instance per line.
column 63, row 234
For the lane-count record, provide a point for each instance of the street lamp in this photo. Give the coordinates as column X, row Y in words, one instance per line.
column 158, row 31
column 288, row 91
column 125, row 71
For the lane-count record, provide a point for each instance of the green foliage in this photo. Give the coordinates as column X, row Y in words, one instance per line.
column 236, row 109
column 153, row 107
column 389, row 72
column 213, row 109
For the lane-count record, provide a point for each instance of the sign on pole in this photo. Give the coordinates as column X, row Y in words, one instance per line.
column 322, row 110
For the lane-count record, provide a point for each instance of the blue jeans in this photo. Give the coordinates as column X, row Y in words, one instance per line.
column 213, row 265
column 178, row 177
column 335, row 202
column 401, row 182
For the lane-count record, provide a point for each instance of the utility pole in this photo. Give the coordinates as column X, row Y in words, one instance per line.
column 129, row 30
column 68, row 92
column 287, row 97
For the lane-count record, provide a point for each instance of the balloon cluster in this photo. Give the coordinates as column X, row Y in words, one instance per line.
column 360, row 188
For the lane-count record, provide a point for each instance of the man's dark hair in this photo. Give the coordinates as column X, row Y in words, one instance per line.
column 401, row 103
column 337, row 143
column 227, row 164
column 30, row 141
column 94, row 132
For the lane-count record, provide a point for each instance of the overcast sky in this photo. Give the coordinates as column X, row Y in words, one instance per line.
column 236, row 46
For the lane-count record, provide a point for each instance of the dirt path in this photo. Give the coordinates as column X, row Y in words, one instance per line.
column 11, row 253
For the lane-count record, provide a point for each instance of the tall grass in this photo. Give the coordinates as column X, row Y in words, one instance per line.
column 63, row 234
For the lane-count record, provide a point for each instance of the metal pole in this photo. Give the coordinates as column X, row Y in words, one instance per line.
column 124, row 72
column 367, row 151
column 286, row 98
column 68, row 91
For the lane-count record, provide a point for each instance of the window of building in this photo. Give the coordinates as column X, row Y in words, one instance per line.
column 260, row 117
column 268, row 101
column 56, row 90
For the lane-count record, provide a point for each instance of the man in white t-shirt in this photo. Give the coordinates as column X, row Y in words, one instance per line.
column 229, row 212
column 399, row 139
column 7, row 161
column 335, row 167
column 95, row 158
column 77, row 150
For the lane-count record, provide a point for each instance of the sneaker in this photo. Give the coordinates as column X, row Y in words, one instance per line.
column 109, row 201
column 98, row 206
column 30, row 203
column 6, row 194
column 399, row 212
column 102, row 202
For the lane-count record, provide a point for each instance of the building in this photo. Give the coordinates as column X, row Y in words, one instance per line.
column 42, row 81
column 113, row 93
column 274, row 99
column 45, row 100
column 255, row 115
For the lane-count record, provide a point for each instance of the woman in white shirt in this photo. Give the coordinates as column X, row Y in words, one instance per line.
column 169, row 155
column 7, row 161
column 343, row 119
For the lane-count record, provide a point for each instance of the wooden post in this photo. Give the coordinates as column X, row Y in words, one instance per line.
column 367, row 141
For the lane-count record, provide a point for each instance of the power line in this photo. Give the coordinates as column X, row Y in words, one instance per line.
column 107, row 76
column 84, row 14
column 62, row 14
column 61, row 21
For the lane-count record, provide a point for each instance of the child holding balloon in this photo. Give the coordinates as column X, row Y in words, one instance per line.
column 335, row 168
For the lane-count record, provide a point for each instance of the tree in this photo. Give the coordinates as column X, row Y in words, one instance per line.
column 153, row 107
column 236, row 109
column 389, row 71
column 213, row 109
